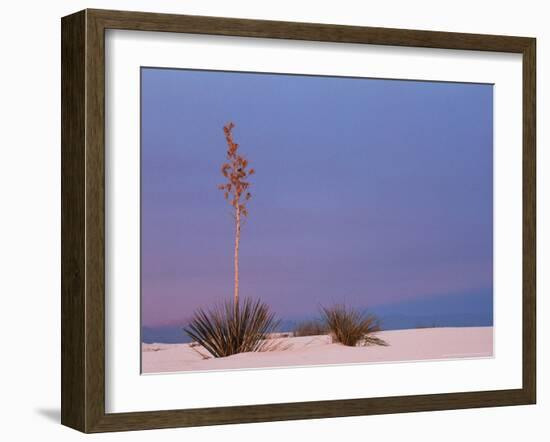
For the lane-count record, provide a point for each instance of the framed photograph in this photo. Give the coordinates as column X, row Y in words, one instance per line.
column 268, row 220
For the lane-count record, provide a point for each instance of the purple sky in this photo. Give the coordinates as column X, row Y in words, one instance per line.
column 367, row 192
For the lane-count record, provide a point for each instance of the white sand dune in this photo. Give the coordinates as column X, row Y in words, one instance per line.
column 404, row 345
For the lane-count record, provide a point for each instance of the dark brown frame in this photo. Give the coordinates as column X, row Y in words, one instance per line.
column 83, row 216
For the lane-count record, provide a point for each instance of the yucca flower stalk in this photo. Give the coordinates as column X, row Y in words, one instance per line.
column 236, row 192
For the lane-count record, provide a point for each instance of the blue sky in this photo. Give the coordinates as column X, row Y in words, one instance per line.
column 369, row 192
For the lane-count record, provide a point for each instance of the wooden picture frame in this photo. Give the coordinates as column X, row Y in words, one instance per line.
column 83, row 220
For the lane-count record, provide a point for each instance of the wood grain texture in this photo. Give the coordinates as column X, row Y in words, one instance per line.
column 145, row 21
column 73, row 128
column 529, row 221
column 83, row 220
column 95, row 222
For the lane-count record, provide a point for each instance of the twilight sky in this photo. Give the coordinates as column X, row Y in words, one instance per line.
column 368, row 192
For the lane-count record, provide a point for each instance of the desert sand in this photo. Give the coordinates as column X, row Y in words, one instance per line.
column 403, row 345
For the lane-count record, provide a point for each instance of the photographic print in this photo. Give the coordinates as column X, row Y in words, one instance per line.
column 305, row 220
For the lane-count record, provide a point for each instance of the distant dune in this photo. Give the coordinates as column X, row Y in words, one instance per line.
column 468, row 309
column 404, row 345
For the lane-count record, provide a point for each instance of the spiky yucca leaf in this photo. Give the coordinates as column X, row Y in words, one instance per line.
column 351, row 327
column 229, row 328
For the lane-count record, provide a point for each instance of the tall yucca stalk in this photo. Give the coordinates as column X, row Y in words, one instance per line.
column 236, row 192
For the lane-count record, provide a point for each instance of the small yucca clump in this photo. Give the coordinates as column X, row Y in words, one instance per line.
column 232, row 328
column 351, row 327
column 310, row 328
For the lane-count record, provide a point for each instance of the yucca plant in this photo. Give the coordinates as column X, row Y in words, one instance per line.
column 232, row 328
column 350, row 326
